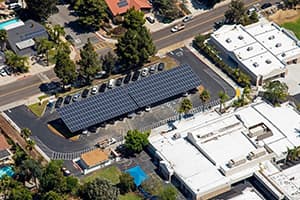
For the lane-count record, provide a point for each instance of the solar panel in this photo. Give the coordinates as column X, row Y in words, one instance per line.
column 163, row 85
column 97, row 109
column 122, row 3
column 122, row 100
column 34, row 34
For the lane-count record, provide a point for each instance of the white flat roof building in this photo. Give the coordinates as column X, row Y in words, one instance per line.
column 209, row 153
column 262, row 49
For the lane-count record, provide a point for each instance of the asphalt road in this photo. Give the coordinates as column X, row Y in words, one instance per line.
column 200, row 24
column 24, row 89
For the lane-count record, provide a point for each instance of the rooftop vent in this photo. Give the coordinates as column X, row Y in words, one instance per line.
column 228, row 40
column 240, row 37
column 283, row 54
column 176, row 136
column 255, row 64
column 250, row 48
column 278, row 45
column 268, row 61
column 271, row 37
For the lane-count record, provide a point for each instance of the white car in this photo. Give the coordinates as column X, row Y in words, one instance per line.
column 3, row 72
column 145, row 72
column 94, row 90
column 177, row 28
column 187, row 18
column 148, row 108
column 111, row 83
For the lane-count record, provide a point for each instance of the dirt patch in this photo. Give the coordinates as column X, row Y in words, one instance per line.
column 283, row 16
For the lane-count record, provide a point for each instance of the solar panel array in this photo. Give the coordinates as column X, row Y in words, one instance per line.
column 122, row 100
column 97, row 109
column 35, row 34
column 163, row 85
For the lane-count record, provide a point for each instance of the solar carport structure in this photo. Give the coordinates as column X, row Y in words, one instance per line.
column 119, row 101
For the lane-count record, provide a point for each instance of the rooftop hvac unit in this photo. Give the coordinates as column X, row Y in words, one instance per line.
column 176, row 136
column 256, row 153
column 236, row 162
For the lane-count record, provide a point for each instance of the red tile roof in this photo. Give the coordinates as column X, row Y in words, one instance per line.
column 3, row 143
column 137, row 4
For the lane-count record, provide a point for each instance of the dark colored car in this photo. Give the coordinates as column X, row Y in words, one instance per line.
column 102, row 87
column 127, row 78
column 68, row 99
column 93, row 129
column 119, row 81
column 59, row 102
column 9, row 70
column 266, row 5
column 136, row 75
column 85, row 93
column 161, row 66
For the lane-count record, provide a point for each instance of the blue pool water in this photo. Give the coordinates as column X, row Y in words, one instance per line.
column 6, row 170
column 138, row 175
column 6, row 23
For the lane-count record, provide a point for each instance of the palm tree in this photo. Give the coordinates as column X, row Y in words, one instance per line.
column 205, row 96
column 3, row 38
column 19, row 63
column 223, row 98
column 30, row 144
column 185, row 106
column 26, row 132
column 43, row 46
column 55, row 32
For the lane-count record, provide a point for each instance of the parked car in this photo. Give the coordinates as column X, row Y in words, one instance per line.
column 111, row 83
column 187, row 18
column 76, row 97
column 266, row 5
column 59, row 102
column 65, row 171
column 119, row 81
column 161, row 66
column 93, row 129
column 3, row 72
column 150, row 19
column 127, row 78
column 100, row 74
column 148, row 108
column 94, row 90
column 102, row 87
column 152, row 69
column 85, row 93
column 68, row 99
column 251, row 10
column 177, row 28
column 136, row 75
column 9, row 70
column 145, row 72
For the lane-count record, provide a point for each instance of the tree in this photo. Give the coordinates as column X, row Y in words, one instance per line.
column 108, row 62
column 30, row 144
column 167, row 9
column 135, row 141
column 126, row 183
column 135, row 47
column 3, row 38
column 275, row 92
column 26, row 132
column 19, row 63
column 235, row 13
column 29, row 169
column 223, row 98
column 55, row 32
column 91, row 13
column 185, row 106
column 168, row 193
column 43, row 46
column 65, row 68
column 99, row 189
column 210, row 3
column 41, row 9
column 89, row 62
column 20, row 193
column 52, row 178
column 51, row 195
column 133, row 19
column 72, row 184
column 205, row 96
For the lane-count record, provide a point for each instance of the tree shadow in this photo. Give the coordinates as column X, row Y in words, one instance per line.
column 198, row 5
column 76, row 27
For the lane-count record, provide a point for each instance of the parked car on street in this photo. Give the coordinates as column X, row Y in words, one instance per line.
column 177, row 28
column 119, row 81
column 59, row 102
column 85, row 93
column 187, row 18
column 145, row 72
column 76, row 97
column 94, row 90
column 8, row 70
column 111, row 83
column 136, row 75
column 100, row 74
column 148, row 108
column 3, row 72
column 127, row 78
column 161, row 66
column 152, row 69
column 68, row 99
column 102, row 87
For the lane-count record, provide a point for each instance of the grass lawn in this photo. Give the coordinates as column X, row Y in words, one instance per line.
column 169, row 62
column 38, row 109
column 130, row 196
column 293, row 26
column 111, row 173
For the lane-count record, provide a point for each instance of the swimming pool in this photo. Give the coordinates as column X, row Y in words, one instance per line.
column 6, row 170
column 8, row 22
